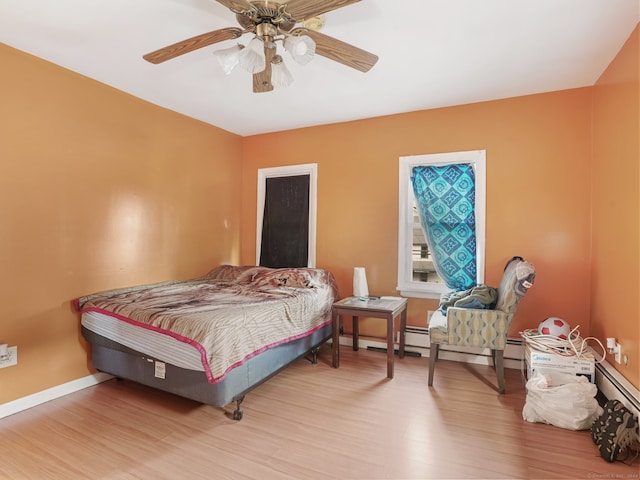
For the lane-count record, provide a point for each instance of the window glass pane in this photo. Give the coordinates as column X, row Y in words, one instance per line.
column 285, row 224
column 286, row 215
column 421, row 262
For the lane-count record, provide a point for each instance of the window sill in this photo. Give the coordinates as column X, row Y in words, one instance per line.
column 431, row 294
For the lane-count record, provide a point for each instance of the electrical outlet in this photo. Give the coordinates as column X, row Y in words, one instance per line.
column 618, row 355
column 12, row 358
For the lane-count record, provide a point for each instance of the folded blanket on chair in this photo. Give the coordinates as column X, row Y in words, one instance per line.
column 480, row 296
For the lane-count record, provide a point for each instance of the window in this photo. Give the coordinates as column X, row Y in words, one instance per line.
column 286, row 216
column 416, row 275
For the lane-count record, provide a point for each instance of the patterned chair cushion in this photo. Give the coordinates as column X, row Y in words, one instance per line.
column 478, row 328
column 485, row 328
column 438, row 328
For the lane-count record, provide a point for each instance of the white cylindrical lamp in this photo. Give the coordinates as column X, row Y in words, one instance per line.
column 360, row 287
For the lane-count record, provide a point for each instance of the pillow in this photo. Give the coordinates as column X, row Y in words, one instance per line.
column 249, row 275
column 226, row 273
column 283, row 277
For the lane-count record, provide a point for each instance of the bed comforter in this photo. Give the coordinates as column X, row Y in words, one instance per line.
column 229, row 315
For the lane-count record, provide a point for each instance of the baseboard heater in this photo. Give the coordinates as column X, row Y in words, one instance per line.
column 418, row 339
column 613, row 385
column 407, row 353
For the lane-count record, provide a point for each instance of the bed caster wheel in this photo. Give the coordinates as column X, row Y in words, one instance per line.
column 237, row 413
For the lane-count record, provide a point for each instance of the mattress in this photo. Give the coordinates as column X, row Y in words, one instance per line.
column 148, row 342
column 216, row 322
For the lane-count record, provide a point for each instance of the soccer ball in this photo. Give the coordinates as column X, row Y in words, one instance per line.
column 556, row 327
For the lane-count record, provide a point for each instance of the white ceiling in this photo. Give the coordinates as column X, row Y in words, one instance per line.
column 433, row 53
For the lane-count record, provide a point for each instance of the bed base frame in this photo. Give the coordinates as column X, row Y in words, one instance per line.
column 238, row 413
column 122, row 362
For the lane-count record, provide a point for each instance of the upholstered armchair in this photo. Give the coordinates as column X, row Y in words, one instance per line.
column 484, row 328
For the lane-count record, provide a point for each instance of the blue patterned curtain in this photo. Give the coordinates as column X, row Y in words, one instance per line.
column 445, row 196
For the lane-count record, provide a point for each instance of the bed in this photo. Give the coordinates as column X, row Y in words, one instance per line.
column 213, row 338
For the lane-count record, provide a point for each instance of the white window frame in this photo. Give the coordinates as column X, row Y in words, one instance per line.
column 310, row 169
column 406, row 285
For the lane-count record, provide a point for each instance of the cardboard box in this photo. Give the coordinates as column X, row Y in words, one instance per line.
column 584, row 365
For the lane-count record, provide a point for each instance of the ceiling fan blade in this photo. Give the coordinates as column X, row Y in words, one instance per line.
column 191, row 44
column 304, row 9
column 236, row 6
column 262, row 80
column 340, row 51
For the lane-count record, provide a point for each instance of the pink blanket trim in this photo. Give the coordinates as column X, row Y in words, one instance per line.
column 193, row 343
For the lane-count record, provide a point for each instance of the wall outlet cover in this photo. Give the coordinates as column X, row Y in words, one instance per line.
column 12, row 358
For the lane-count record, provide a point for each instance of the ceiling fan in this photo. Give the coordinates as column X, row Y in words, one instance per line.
column 273, row 21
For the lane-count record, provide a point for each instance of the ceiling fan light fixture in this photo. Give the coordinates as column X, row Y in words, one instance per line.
column 272, row 21
column 228, row 58
column 252, row 58
column 302, row 48
column 280, row 75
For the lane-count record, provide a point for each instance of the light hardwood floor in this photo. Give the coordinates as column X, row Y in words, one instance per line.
column 308, row 422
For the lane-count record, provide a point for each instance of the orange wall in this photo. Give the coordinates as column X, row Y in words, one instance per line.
column 101, row 190
column 98, row 189
column 615, row 266
column 538, row 188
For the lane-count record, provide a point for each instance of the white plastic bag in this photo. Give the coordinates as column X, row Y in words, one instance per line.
column 561, row 399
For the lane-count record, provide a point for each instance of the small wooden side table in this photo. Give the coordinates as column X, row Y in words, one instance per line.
column 388, row 308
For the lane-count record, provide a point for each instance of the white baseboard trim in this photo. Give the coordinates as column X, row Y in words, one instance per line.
column 513, row 354
column 52, row 393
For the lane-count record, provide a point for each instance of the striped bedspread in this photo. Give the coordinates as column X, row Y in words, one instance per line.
column 229, row 315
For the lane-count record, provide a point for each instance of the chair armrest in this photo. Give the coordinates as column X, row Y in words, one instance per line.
column 474, row 327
